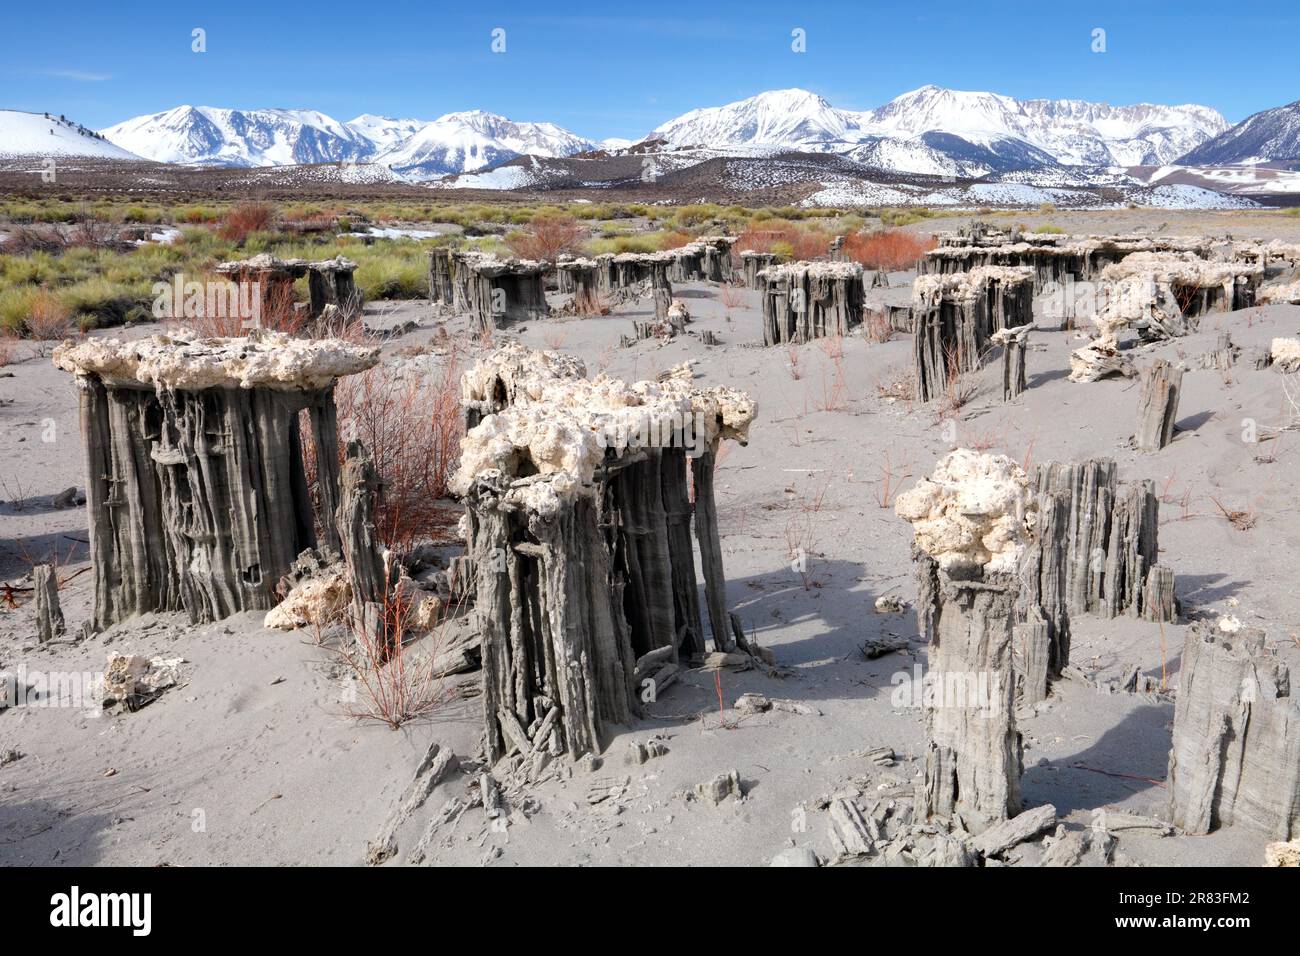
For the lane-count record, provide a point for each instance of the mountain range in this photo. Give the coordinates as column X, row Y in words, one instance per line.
column 928, row 131
column 942, row 131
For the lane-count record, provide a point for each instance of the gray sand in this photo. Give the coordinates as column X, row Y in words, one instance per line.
column 235, row 767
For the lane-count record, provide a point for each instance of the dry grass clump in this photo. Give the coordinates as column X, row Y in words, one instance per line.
column 892, row 476
column 897, row 384
column 1241, row 519
column 48, row 320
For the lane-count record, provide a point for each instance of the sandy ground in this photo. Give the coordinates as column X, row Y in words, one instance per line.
column 253, row 760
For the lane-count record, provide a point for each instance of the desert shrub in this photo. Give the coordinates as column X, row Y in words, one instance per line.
column 412, row 425
column 904, row 217
column 395, row 682
column 196, row 215
column 1056, row 230
column 672, row 239
column 93, row 232
column 259, row 241
column 891, row 249
column 15, row 306
column 25, row 240
column 597, row 211
column 785, row 238
column 695, row 215
column 810, row 244
column 646, row 242
column 548, row 236
column 48, row 320
column 244, row 219
column 392, row 277
column 97, row 302
column 639, row 242
column 38, row 268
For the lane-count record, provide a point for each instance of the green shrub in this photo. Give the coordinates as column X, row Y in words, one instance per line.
column 15, row 305
column 99, row 302
column 392, row 277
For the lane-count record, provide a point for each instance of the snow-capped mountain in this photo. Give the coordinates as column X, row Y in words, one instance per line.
column 616, row 142
column 942, row 131
column 788, row 118
column 1266, row 136
column 45, row 134
column 384, row 132
column 210, row 136
column 463, row 142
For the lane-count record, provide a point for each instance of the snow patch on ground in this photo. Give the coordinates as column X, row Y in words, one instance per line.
column 396, row 232
column 1193, row 197
column 503, row 177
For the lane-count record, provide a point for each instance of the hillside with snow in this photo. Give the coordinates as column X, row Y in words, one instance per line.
column 25, row 135
column 1267, row 136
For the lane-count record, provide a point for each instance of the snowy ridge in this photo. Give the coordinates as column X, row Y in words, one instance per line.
column 42, row 134
column 1268, row 135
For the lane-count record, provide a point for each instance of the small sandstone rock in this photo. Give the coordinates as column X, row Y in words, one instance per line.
column 132, row 681
column 1282, row 854
column 1023, row 826
column 890, row 604
column 795, row 856
column 719, row 788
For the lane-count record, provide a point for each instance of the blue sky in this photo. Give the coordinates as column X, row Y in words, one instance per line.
column 617, row 68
